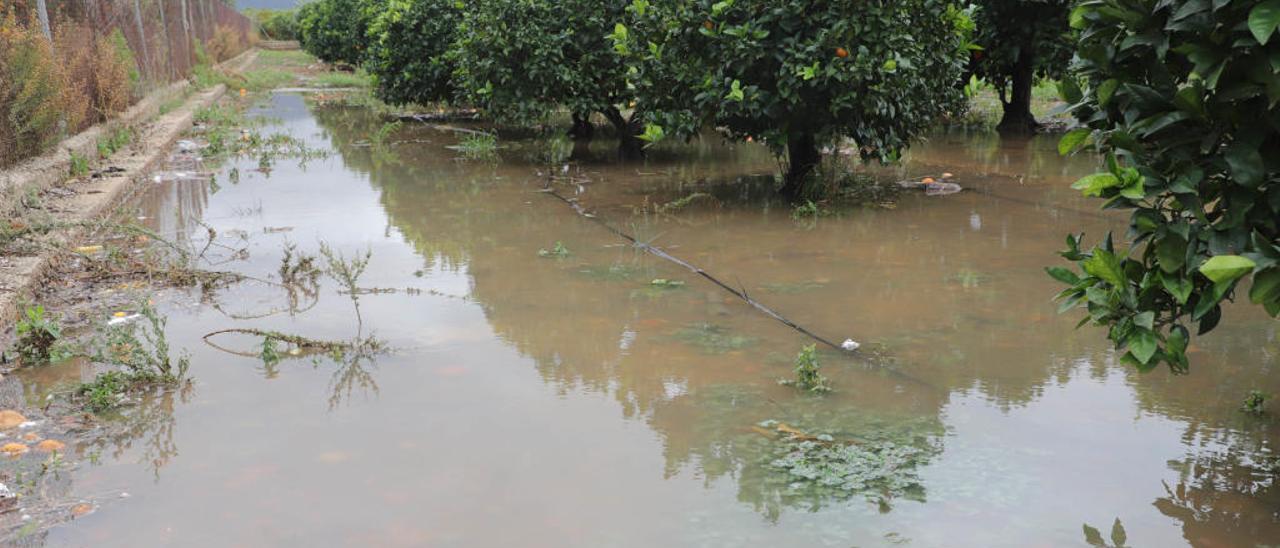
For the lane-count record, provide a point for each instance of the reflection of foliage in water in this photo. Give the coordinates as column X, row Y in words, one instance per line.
column 844, row 453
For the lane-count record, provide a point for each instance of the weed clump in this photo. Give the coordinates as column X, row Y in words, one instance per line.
column 559, row 251
column 1255, row 403
column 141, row 351
column 39, row 338
column 808, row 378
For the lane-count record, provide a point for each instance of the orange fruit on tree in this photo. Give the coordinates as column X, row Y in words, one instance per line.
column 708, row 25
column 842, row 53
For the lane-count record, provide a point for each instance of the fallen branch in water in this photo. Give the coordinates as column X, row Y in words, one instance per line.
column 369, row 344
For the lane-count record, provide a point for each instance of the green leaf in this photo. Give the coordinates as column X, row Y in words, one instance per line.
column 1093, row 185
column 1092, row 536
column 1226, row 268
column 1179, row 288
column 1118, row 536
column 1246, row 164
column 1263, row 20
column 1143, row 345
column 1106, row 89
column 1105, row 265
column 1171, row 252
column 1073, row 140
column 1266, row 286
column 1063, row 275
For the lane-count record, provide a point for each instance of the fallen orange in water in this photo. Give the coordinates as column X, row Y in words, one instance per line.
column 50, row 446
column 11, row 419
column 14, row 449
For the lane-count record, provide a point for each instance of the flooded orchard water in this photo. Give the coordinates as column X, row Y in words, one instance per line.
column 535, row 401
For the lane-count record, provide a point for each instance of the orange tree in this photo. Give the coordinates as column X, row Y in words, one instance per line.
column 1021, row 40
column 1182, row 98
column 521, row 60
column 409, row 50
column 797, row 75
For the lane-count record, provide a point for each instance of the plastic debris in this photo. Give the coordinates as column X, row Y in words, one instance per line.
column 849, row 345
column 187, row 145
column 117, row 320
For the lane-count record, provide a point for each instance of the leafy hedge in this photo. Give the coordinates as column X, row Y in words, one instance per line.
column 409, row 53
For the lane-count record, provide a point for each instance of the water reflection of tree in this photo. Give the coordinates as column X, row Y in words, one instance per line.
column 593, row 335
column 149, row 426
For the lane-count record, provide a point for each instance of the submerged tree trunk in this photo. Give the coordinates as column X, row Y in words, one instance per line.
column 1017, row 110
column 803, row 157
column 629, row 143
column 582, row 129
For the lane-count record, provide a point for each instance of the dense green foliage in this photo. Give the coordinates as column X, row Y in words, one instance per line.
column 1021, row 40
column 409, row 46
column 275, row 24
column 797, row 74
column 523, row 59
column 1181, row 97
column 334, row 30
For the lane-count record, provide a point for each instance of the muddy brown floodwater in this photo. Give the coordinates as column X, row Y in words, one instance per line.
column 535, row 401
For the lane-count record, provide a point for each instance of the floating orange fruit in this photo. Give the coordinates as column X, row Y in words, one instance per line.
column 81, row 509
column 842, row 53
column 13, row 449
column 11, row 419
column 31, row 436
column 927, row 180
column 50, row 446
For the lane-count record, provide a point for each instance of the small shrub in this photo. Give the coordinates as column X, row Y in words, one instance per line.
column 38, row 337
column 34, row 98
column 224, row 44
column 80, row 164
column 116, row 78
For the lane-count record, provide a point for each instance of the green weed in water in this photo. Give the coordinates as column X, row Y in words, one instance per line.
column 1255, row 402
column 794, row 287
column 713, row 339
column 616, row 272
column 141, row 349
column 557, row 252
column 807, row 376
column 478, row 145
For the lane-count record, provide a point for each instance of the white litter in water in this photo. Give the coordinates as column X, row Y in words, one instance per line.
column 123, row 319
column 849, row 345
column 187, row 145
column 27, row 424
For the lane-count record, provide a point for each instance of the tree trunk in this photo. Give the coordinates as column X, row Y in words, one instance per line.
column 803, row 158
column 629, row 144
column 582, row 129
column 1017, row 110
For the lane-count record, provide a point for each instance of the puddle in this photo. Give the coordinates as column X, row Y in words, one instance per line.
column 580, row 401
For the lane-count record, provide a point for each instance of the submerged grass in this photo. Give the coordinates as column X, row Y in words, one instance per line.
column 713, row 339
